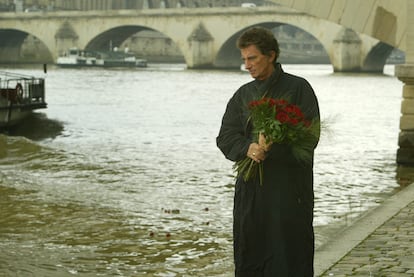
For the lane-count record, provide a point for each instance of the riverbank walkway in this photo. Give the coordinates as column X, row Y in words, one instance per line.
column 379, row 243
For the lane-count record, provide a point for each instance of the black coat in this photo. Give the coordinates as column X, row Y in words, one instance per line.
column 273, row 222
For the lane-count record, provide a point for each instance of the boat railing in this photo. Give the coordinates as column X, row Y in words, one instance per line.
column 22, row 90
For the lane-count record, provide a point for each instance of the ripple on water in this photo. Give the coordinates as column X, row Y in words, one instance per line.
column 91, row 198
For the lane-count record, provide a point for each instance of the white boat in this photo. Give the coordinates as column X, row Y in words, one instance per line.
column 81, row 58
column 19, row 96
column 76, row 57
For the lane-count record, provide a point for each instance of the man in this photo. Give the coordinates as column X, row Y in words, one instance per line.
column 273, row 222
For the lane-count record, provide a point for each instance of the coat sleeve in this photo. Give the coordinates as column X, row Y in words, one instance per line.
column 310, row 108
column 232, row 140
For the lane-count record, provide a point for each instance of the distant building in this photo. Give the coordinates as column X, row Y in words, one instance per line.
column 84, row 5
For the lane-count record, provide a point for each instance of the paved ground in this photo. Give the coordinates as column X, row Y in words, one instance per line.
column 381, row 243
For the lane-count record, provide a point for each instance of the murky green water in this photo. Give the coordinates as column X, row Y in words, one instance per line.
column 120, row 176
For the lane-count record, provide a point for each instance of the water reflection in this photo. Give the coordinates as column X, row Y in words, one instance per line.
column 81, row 239
column 36, row 126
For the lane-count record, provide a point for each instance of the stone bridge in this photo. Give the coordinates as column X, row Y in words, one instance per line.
column 391, row 22
column 205, row 36
column 356, row 34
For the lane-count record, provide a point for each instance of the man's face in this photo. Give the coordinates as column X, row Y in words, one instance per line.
column 259, row 66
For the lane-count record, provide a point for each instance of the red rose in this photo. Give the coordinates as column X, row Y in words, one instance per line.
column 294, row 121
column 282, row 117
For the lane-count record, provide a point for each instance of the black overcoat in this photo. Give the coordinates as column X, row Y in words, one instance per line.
column 273, row 222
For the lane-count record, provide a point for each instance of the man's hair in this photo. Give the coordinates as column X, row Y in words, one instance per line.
column 262, row 38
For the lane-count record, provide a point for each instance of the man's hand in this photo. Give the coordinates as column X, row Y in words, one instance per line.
column 265, row 145
column 256, row 152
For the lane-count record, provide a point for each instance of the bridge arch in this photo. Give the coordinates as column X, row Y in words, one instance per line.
column 308, row 24
column 113, row 37
column 11, row 51
column 202, row 35
column 228, row 55
column 377, row 57
column 368, row 54
column 107, row 35
column 144, row 42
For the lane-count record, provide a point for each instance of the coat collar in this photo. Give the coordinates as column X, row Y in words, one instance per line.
column 265, row 85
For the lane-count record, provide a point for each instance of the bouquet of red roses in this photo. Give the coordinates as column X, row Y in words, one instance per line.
column 283, row 123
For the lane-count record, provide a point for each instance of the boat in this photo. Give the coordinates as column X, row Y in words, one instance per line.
column 81, row 58
column 121, row 59
column 20, row 95
column 75, row 57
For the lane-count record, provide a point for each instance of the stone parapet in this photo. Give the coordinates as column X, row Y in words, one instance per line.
column 405, row 152
column 407, row 106
column 407, row 122
column 406, row 139
column 405, row 73
column 408, row 92
column 405, row 156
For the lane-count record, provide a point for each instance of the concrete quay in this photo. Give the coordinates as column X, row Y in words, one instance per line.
column 379, row 243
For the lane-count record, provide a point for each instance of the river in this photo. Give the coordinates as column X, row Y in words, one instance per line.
column 120, row 175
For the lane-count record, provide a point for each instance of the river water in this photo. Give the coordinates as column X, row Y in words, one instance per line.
column 120, row 175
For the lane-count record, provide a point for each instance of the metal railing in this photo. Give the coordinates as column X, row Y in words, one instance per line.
column 22, row 90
